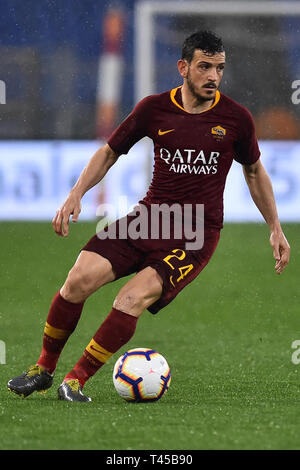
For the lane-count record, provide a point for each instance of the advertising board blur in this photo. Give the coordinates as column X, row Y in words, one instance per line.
column 35, row 178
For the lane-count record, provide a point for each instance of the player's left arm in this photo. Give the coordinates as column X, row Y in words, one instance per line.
column 261, row 190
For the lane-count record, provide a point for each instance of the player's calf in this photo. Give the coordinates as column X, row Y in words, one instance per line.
column 117, row 329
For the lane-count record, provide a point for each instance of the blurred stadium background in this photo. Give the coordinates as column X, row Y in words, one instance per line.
column 74, row 69
column 70, row 71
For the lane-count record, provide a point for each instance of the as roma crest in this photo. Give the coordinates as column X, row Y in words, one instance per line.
column 218, row 132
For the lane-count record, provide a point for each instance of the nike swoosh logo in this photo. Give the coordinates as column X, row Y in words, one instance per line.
column 165, row 132
column 97, row 350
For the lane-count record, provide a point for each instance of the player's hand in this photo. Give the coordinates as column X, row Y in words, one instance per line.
column 71, row 206
column 281, row 250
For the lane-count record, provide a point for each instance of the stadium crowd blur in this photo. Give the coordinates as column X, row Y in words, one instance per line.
column 69, row 66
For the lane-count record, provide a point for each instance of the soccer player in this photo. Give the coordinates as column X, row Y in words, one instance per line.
column 197, row 132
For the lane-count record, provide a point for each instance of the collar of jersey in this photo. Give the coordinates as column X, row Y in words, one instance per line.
column 173, row 99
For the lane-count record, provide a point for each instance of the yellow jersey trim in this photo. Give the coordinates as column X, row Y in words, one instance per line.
column 173, row 94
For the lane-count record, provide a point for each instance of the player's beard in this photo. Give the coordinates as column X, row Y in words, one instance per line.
column 200, row 98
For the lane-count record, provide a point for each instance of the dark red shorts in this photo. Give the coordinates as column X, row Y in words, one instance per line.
column 176, row 265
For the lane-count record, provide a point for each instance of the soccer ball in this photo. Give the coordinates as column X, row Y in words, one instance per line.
column 141, row 374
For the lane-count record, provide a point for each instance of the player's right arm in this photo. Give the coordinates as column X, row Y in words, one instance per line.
column 91, row 175
column 130, row 131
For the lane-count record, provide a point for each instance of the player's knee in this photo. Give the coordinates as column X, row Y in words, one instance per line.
column 135, row 298
column 129, row 302
column 78, row 286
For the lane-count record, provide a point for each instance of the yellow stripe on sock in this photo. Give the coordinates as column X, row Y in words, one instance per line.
column 56, row 333
column 98, row 352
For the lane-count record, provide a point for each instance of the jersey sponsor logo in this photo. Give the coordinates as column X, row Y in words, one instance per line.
column 191, row 161
column 160, row 132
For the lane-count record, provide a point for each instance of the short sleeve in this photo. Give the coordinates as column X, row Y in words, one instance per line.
column 132, row 129
column 246, row 148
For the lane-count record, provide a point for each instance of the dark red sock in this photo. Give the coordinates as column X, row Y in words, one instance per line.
column 62, row 320
column 115, row 331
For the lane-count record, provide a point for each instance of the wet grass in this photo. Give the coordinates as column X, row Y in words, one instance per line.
column 227, row 338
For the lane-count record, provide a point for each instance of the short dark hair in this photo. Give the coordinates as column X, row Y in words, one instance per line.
column 207, row 41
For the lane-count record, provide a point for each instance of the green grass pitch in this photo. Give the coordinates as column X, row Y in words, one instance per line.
column 227, row 338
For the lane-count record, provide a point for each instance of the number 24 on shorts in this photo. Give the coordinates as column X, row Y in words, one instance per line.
column 184, row 270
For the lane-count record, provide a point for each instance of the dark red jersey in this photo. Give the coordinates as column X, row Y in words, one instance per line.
column 192, row 152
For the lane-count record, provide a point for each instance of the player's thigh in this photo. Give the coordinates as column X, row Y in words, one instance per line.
column 139, row 292
column 89, row 273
